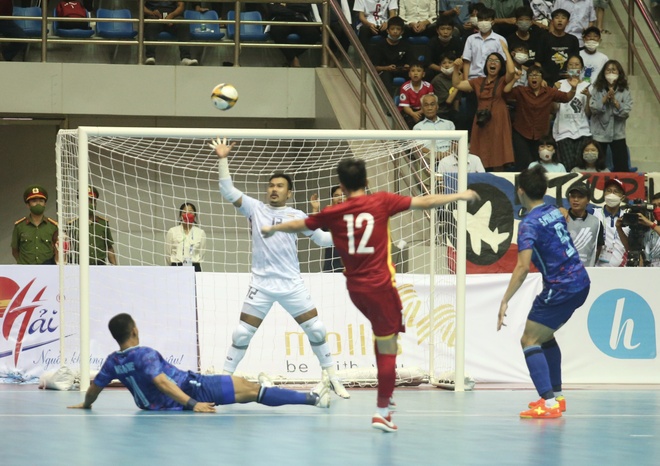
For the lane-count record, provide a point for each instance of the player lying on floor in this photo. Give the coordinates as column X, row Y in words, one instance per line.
column 157, row 385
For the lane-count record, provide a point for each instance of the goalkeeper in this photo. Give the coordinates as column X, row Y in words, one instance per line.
column 157, row 385
column 275, row 269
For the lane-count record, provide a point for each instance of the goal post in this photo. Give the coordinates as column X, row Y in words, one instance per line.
column 143, row 175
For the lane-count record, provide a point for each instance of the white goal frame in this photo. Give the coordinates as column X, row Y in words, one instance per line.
column 85, row 132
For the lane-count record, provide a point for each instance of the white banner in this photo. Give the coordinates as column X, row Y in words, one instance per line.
column 160, row 299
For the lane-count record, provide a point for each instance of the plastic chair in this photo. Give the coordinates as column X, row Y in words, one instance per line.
column 114, row 30
column 31, row 27
column 71, row 33
column 211, row 29
column 249, row 32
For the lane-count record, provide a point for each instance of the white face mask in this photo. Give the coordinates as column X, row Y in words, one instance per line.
column 448, row 71
column 520, row 57
column 611, row 77
column 546, row 155
column 484, row 26
column 590, row 157
column 591, row 45
column 612, row 200
column 573, row 73
column 474, row 20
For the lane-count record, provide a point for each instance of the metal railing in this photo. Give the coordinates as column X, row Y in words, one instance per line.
column 632, row 29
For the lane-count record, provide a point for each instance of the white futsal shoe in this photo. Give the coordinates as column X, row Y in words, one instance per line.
column 265, row 380
column 322, row 391
column 336, row 385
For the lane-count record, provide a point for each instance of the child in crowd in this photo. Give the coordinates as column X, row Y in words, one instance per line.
column 611, row 104
column 582, row 13
column 411, row 93
column 548, row 156
column 534, row 104
column 525, row 35
column 442, row 44
column 470, row 26
column 557, row 47
column 457, row 11
column 571, row 127
column 592, row 160
column 392, row 57
column 593, row 59
column 448, row 95
column 520, row 55
column 374, row 18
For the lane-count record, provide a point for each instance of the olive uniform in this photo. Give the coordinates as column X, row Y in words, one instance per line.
column 35, row 243
column 100, row 240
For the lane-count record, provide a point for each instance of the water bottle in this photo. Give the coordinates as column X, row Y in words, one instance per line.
column 202, row 28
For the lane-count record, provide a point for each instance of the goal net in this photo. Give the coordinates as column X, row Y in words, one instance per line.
column 131, row 182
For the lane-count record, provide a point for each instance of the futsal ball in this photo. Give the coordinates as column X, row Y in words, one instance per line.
column 224, row 96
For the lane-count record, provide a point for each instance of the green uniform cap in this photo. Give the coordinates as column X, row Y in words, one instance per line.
column 34, row 192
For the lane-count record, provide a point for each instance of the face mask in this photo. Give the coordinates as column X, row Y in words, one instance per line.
column 573, row 73
column 546, row 155
column 520, row 57
column 37, row 209
column 448, row 71
column 611, row 77
column 444, row 40
column 591, row 45
column 484, row 26
column 394, row 39
column 188, row 217
column 612, row 200
column 474, row 20
column 590, row 157
column 656, row 214
column 524, row 25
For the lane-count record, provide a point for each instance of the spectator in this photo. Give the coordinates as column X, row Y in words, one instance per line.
column 337, row 28
column 652, row 237
column 582, row 13
column 457, row 11
column 520, row 55
column 600, row 7
column 392, row 56
column 185, row 243
column 505, row 16
column 593, row 59
column 34, row 236
column 449, row 164
column 616, row 235
column 101, row 244
column 374, row 18
column 166, row 13
column 441, row 45
column 611, row 103
column 10, row 29
column 571, row 127
column 331, row 261
column 547, row 156
column 419, row 17
column 542, row 13
column 557, row 47
column 592, row 160
column 491, row 130
column 586, row 230
column 534, row 104
column 448, row 95
column 525, row 35
column 293, row 13
column 411, row 92
column 433, row 122
column 470, row 26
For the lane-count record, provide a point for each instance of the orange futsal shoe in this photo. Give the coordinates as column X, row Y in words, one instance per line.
column 542, row 412
column 541, row 402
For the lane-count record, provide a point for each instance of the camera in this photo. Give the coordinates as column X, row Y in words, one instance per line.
column 630, row 219
column 483, row 117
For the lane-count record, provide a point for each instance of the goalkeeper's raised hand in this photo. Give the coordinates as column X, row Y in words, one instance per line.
column 222, row 149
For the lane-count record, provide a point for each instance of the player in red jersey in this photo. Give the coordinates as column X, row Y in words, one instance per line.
column 361, row 234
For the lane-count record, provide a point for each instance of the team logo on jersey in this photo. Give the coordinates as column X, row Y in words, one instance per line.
column 621, row 325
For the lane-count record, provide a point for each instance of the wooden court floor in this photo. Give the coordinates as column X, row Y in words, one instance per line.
column 602, row 426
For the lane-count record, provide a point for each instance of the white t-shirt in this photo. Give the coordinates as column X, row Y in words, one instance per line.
column 613, row 253
column 376, row 11
column 593, row 63
column 449, row 164
column 571, row 121
column 183, row 247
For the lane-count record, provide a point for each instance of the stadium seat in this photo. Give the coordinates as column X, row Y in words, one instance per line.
column 31, row 27
column 212, row 28
column 398, row 81
column 249, row 32
column 114, row 30
column 71, row 33
column 418, row 40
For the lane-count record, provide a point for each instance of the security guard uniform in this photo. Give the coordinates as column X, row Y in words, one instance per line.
column 100, row 237
column 35, row 243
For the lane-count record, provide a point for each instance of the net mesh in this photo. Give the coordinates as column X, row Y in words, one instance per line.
column 142, row 181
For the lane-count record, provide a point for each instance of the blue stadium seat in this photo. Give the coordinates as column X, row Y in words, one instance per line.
column 249, row 32
column 398, row 81
column 114, row 30
column 418, row 40
column 212, row 28
column 71, row 33
column 31, row 28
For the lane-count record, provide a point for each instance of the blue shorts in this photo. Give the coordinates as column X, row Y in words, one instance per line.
column 553, row 308
column 218, row 389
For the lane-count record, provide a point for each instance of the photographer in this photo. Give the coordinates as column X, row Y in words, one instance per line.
column 614, row 253
column 652, row 236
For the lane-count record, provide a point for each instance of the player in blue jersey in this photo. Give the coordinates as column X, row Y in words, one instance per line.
column 157, row 385
column 543, row 239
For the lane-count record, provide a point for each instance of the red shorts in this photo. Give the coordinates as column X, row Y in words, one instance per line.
column 382, row 308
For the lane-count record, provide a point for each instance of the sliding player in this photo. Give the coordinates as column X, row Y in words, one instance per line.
column 544, row 239
column 275, row 269
column 360, row 229
column 157, row 385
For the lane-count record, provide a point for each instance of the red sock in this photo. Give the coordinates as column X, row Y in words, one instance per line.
column 386, row 364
